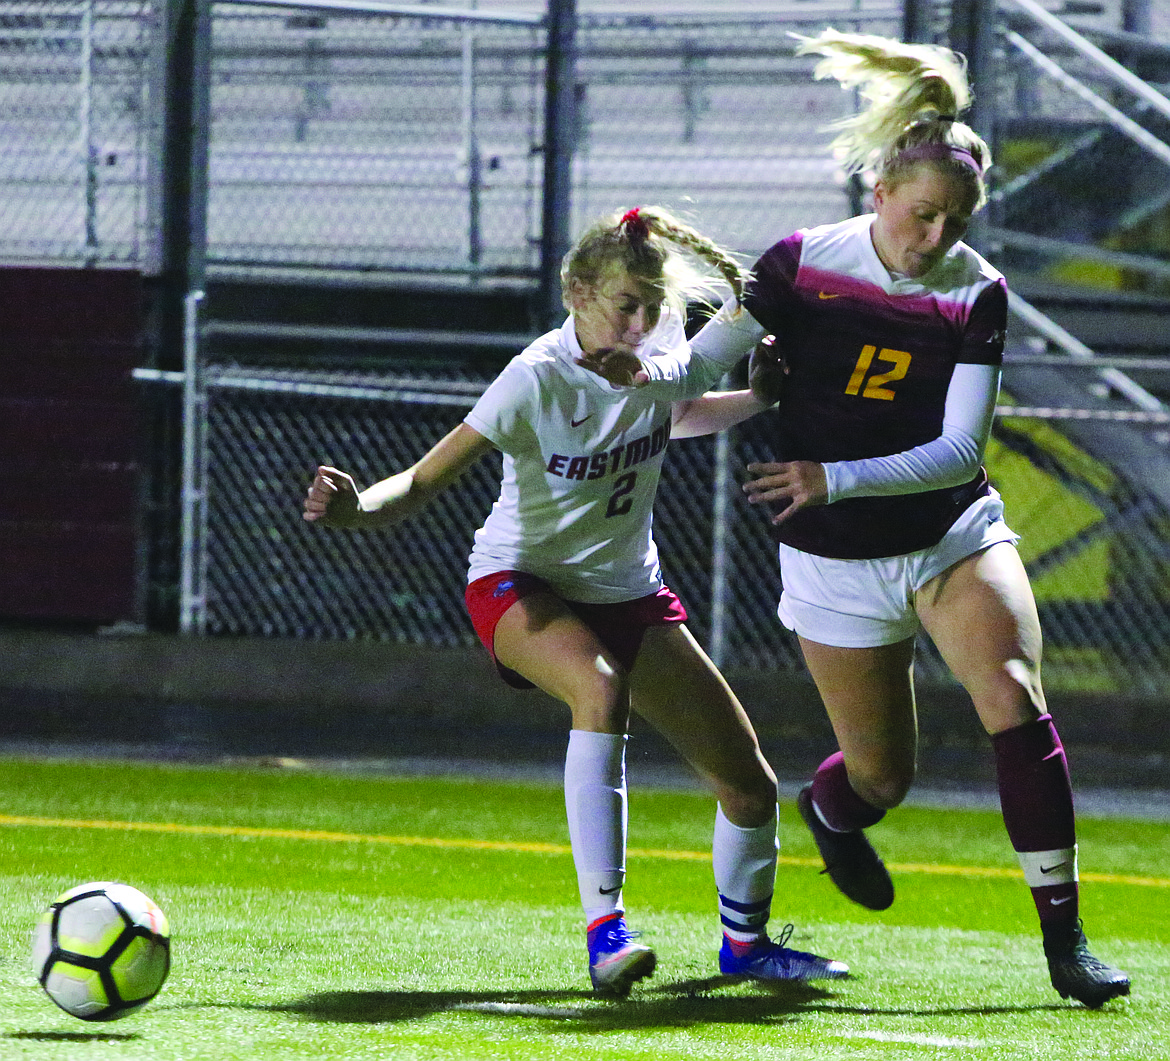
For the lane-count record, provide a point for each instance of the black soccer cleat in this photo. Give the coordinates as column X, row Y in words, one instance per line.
column 850, row 860
column 1077, row 974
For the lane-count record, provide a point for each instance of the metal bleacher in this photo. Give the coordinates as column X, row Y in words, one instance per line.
column 375, row 188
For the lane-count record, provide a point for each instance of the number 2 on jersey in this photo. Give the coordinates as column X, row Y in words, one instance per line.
column 619, row 502
column 875, row 386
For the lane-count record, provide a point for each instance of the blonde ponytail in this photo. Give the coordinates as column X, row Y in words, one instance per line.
column 914, row 94
column 640, row 241
column 690, row 282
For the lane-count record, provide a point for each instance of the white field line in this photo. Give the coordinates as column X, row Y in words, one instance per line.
column 910, row 1039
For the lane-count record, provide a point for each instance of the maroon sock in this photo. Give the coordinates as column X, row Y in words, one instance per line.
column 841, row 808
column 1035, row 796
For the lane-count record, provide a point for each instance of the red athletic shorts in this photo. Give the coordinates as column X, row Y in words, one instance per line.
column 618, row 626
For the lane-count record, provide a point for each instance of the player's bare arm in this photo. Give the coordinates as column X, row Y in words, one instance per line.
column 334, row 500
column 713, row 411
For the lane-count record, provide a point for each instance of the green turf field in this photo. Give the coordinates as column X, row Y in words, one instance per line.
column 326, row 915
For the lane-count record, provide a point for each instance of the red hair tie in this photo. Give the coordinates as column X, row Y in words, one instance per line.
column 635, row 224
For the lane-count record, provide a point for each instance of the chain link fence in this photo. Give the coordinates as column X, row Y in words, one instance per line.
column 270, row 573
column 74, row 114
column 355, row 140
column 370, row 144
column 1095, row 547
column 373, row 141
column 393, row 142
column 1095, row 543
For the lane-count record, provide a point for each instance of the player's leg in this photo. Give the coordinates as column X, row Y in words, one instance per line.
column 544, row 642
column 982, row 616
column 856, row 624
column 868, row 695
column 678, row 690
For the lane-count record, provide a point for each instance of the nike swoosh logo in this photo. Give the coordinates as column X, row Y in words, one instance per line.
column 1061, row 902
column 825, row 294
column 610, row 891
column 578, row 423
column 1052, row 869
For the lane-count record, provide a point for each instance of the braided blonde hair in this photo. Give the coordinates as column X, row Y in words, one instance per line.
column 640, row 242
column 914, row 93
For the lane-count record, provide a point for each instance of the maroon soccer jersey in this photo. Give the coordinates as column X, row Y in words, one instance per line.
column 870, row 359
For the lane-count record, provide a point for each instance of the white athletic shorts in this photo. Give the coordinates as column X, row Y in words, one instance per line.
column 867, row 603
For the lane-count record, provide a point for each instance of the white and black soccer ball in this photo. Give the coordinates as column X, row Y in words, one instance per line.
column 101, row 951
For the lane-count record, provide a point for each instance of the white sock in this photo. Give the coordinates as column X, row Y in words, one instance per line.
column 745, row 874
column 595, row 802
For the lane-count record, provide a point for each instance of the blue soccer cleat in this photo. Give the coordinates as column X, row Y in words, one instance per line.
column 772, row 960
column 616, row 962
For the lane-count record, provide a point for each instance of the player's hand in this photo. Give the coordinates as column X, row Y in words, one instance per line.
column 795, row 484
column 767, row 371
column 621, row 368
column 332, row 499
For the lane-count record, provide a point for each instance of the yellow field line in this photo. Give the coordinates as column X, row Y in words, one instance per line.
column 259, row 832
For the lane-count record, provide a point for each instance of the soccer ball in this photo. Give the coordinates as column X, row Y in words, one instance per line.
column 102, row 951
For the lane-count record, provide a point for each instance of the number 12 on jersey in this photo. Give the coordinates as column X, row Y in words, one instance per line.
column 875, row 386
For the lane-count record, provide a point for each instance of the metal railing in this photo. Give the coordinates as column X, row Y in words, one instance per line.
column 1096, row 548
column 382, row 139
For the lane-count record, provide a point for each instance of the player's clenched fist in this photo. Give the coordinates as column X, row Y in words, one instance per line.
column 332, row 499
column 622, row 368
column 767, row 371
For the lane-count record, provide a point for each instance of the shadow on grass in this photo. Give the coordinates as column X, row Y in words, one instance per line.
column 73, row 1037
column 679, row 1004
column 671, row 1005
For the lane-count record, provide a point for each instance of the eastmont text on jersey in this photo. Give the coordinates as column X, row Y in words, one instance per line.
column 611, row 461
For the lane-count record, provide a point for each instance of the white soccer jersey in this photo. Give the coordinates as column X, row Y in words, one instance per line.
column 581, row 465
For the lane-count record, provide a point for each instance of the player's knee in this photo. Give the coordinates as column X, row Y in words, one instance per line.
column 885, row 788
column 750, row 802
column 599, row 698
column 1012, row 696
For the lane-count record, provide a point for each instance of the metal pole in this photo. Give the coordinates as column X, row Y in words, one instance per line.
column 471, row 150
column 559, row 95
column 973, row 34
column 182, row 169
column 85, row 133
column 721, row 514
column 1135, row 16
column 172, row 266
column 199, row 136
column 192, row 590
column 692, row 89
column 184, row 250
column 916, row 21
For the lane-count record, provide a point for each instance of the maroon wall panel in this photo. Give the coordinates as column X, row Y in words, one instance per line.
column 70, row 443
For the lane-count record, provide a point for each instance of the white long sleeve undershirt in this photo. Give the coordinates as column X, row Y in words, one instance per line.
column 949, row 460
column 721, row 344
